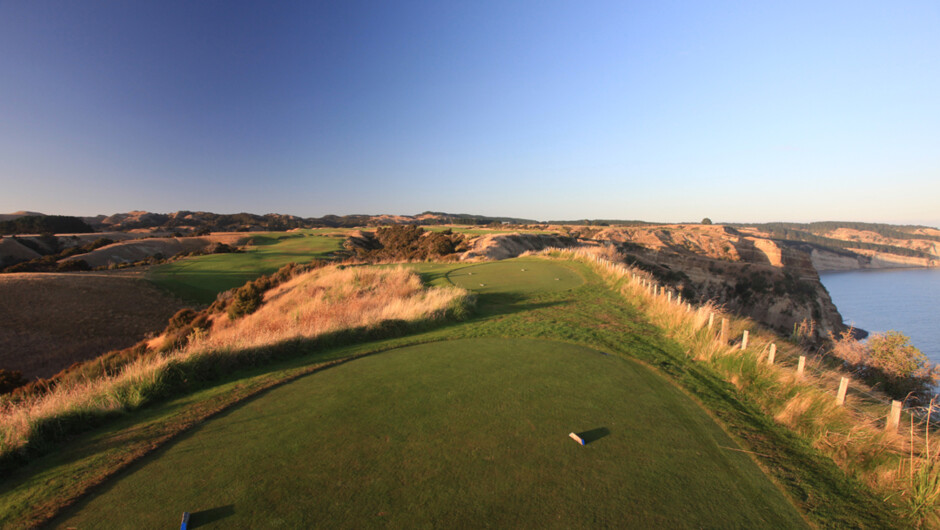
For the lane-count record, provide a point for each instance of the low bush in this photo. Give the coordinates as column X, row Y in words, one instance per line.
column 405, row 243
column 11, row 380
column 889, row 361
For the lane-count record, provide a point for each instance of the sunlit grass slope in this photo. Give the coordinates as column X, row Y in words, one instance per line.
column 316, row 303
column 451, row 433
column 201, row 278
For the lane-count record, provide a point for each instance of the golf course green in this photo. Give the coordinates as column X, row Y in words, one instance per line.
column 201, row 278
column 458, row 433
column 522, row 276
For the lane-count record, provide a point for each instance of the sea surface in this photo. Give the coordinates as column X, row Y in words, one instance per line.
column 904, row 300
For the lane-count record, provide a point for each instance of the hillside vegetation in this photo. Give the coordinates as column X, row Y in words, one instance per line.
column 318, row 302
column 200, row 279
column 45, row 224
column 586, row 312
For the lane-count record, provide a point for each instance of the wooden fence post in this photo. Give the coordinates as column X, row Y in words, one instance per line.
column 744, row 340
column 800, row 367
column 679, row 298
column 724, row 331
column 772, row 354
column 894, row 418
column 669, row 296
column 843, row 387
column 711, row 320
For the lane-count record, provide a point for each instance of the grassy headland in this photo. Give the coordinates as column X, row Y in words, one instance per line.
column 589, row 314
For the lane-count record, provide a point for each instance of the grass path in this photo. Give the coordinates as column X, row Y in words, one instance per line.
column 449, row 433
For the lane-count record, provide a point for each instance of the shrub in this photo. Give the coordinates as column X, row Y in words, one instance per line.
column 73, row 265
column 899, row 366
column 405, row 243
column 10, row 380
column 890, row 362
column 246, row 300
column 181, row 319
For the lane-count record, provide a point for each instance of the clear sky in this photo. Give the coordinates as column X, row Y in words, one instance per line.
column 661, row 111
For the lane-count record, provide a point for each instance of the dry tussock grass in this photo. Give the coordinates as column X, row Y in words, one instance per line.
column 332, row 299
column 852, row 436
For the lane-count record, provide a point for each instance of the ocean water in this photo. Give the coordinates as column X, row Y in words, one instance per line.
column 904, row 300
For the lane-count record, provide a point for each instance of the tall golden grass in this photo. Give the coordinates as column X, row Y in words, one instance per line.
column 329, row 300
column 900, row 467
column 315, row 303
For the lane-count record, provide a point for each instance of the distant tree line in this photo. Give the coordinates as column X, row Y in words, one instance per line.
column 45, row 224
column 50, row 262
column 604, row 222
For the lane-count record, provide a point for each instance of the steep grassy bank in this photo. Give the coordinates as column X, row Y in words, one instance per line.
column 328, row 303
column 900, row 467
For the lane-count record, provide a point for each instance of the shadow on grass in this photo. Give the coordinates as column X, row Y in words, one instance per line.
column 204, row 517
column 593, row 435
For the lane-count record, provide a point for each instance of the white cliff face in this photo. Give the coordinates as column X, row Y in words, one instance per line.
column 830, row 261
column 825, row 261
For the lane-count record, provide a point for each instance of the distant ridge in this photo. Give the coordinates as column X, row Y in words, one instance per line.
column 476, row 219
column 15, row 215
column 185, row 221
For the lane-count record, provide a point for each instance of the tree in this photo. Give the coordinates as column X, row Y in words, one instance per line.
column 706, row 221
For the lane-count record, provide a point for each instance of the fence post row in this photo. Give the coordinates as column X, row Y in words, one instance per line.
column 843, row 387
column 894, row 418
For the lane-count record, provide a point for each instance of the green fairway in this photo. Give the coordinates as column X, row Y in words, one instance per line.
column 515, row 276
column 201, row 278
column 462, row 433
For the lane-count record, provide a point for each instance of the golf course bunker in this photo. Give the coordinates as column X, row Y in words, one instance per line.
column 464, row 433
column 517, row 276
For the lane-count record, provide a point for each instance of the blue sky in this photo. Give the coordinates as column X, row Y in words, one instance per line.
column 662, row 111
